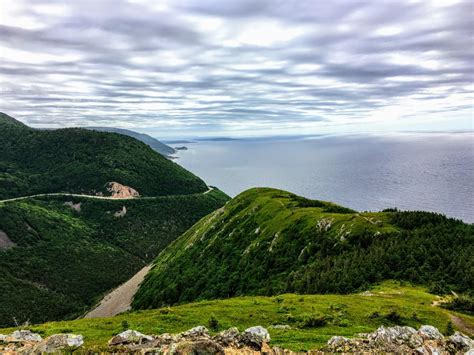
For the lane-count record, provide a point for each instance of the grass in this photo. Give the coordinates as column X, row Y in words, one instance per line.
column 345, row 315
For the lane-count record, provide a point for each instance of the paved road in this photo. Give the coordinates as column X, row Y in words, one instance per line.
column 210, row 188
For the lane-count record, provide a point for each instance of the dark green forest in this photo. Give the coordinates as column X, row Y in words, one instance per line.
column 65, row 259
column 267, row 242
column 83, row 161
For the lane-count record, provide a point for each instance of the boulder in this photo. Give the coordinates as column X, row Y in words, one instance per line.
column 60, row 343
column 3, row 337
column 199, row 331
column 201, row 347
column 428, row 332
column 25, row 335
column 401, row 340
column 396, row 335
column 130, row 337
column 338, row 344
column 166, row 339
column 461, row 342
column 255, row 337
column 229, row 337
column 281, row 326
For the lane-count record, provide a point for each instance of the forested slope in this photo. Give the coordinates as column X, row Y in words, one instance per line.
column 64, row 253
column 267, row 242
column 84, row 161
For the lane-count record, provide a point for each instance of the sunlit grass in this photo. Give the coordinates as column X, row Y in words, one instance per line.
column 347, row 315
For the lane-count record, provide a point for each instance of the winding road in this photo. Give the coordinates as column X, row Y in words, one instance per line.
column 209, row 189
column 118, row 300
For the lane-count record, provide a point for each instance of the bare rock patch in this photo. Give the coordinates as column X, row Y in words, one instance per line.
column 5, row 242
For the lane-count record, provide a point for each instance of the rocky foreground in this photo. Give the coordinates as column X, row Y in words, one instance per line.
column 254, row 340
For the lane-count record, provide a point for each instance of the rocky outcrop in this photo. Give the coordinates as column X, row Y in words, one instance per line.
column 74, row 206
column 402, row 340
column 5, row 242
column 121, row 213
column 27, row 342
column 197, row 340
column 130, row 337
column 253, row 341
column 118, row 190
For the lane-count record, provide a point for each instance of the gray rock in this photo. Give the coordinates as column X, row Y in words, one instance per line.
column 3, row 337
column 255, row 337
column 228, row 337
column 337, row 342
column 199, row 331
column 166, row 338
column 25, row 335
column 396, row 335
column 201, row 347
column 461, row 342
column 430, row 333
column 259, row 332
column 130, row 337
column 60, row 342
column 281, row 326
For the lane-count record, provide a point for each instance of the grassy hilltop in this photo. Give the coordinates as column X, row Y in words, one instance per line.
column 267, row 242
column 313, row 318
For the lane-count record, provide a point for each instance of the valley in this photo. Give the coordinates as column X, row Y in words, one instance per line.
column 106, row 235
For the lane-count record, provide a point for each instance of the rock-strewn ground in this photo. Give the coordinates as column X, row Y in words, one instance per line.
column 254, row 340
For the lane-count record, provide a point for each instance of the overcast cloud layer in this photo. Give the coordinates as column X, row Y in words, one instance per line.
column 240, row 67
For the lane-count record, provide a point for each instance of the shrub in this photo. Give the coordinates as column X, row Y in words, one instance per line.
column 374, row 315
column 461, row 304
column 394, row 317
column 213, row 323
column 343, row 323
column 65, row 330
column 313, row 321
column 449, row 329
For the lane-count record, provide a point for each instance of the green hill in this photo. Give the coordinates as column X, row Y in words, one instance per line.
column 267, row 242
column 311, row 319
column 59, row 255
column 155, row 144
column 84, row 161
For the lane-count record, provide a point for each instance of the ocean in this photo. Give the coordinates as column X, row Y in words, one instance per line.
column 411, row 171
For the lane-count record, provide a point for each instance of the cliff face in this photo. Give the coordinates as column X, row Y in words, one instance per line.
column 118, row 190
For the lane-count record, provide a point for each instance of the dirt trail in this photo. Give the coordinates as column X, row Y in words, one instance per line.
column 119, row 300
column 465, row 327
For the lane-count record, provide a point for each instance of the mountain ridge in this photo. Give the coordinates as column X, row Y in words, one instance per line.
column 267, row 241
column 154, row 143
column 77, row 160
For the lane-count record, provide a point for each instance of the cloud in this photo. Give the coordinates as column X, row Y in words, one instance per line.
column 203, row 67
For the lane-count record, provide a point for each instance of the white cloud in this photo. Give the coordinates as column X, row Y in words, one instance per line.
column 244, row 67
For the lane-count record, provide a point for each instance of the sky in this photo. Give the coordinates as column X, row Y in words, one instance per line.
column 186, row 68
